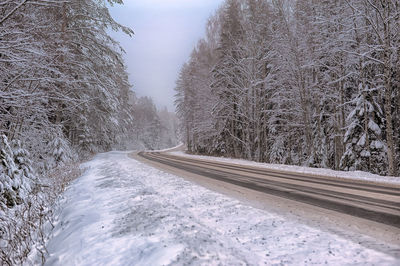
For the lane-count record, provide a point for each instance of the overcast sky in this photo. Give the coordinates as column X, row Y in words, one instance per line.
column 166, row 31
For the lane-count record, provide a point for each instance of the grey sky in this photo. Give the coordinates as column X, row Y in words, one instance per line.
column 165, row 33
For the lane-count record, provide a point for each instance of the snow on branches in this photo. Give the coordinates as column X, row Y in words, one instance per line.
column 279, row 82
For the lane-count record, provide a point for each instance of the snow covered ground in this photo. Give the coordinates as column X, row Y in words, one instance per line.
column 123, row 212
column 357, row 175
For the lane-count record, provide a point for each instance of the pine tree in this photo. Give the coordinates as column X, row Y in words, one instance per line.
column 23, row 162
column 14, row 185
column 284, row 75
column 60, row 152
column 365, row 149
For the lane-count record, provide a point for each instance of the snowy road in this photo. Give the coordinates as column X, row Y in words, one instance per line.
column 375, row 202
column 122, row 212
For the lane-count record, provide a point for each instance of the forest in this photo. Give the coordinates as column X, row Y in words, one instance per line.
column 299, row 82
column 64, row 96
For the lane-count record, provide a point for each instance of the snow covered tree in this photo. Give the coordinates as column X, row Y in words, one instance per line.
column 282, row 76
column 365, row 149
column 195, row 100
column 153, row 129
column 169, row 124
column 60, row 68
column 376, row 32
column 227, row 80
column 63, row 90
column 15, row 175
column 23, row 161
column 60, row 152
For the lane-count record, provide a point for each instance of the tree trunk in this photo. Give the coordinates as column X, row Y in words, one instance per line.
column 388, row 116
column 388, row 95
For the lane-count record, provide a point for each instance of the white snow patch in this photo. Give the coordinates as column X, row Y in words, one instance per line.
column 355, row 175
column 374, row 127
column 122, row 212
column 377, row 144
column 180, row 145
column 362, row 140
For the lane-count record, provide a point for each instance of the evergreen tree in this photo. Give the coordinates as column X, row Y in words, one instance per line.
column 60, row 152
column 365, row 149
column 14, row 183
column 282, row 78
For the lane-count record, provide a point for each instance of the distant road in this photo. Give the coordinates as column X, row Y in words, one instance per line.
column 379, row 203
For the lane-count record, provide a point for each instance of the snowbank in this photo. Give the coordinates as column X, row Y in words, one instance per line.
column 177, row 147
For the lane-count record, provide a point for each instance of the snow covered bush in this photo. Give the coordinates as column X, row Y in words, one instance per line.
column 27, row 203
column 60, row 152
column 48, row 149
column 15, row 175
column 17, row 180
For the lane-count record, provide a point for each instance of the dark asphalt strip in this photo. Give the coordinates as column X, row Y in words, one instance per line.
column 298, row 177
column 305, row 189
column 285, row 192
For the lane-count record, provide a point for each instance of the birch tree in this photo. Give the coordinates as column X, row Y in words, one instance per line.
column 299, row 82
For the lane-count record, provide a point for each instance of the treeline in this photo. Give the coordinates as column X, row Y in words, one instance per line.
column 304, row 82
column 62, row 76
column 64, row 95
column 153, row 129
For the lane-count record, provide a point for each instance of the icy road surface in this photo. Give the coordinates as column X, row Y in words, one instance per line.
column 122, row 212
column 356, row 175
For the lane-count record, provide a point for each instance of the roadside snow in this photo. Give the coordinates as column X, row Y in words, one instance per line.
column 180, row 146
column 356, row 175
column 122, row 212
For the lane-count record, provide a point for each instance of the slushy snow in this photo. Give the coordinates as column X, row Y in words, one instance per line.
column 123, row 212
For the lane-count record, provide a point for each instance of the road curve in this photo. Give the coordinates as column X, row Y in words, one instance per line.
column 379, row 203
